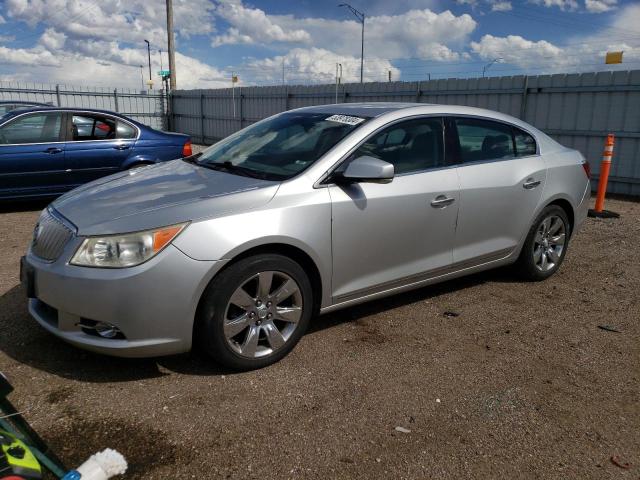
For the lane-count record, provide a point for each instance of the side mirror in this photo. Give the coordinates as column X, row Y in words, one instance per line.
column 368, row 169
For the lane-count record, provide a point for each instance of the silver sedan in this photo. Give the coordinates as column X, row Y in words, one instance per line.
column 237, row 248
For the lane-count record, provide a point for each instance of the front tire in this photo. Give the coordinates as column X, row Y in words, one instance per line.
column 546, row 245
column 255, row 312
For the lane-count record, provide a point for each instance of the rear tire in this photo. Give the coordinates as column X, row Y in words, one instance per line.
column 255, row 312
column 545, row 246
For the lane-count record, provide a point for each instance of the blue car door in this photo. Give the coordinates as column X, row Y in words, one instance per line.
column 98, row 145
column 32, row 155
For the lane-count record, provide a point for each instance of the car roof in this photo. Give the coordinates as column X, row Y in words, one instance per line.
column 369, row 109
column 71, row 109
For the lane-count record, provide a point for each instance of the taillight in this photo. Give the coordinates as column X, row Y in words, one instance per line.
column 186, row 149
column 587, row 169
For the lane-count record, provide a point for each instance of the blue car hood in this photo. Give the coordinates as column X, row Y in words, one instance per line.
column 159, row 195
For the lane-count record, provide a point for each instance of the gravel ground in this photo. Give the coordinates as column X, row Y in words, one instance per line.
column 521, row 383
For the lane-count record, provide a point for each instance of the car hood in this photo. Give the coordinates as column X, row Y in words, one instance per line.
column 159, row 195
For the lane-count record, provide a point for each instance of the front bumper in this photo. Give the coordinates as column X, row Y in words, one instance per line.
column 153, row 304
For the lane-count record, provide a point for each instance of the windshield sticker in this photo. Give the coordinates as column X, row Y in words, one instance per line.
column 345, row 119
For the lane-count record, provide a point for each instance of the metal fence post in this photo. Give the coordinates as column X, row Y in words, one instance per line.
column 115, row 98
column 240, row 108
column 418, row 92
column 58, row 95
column 523, row 99
column 202, row 118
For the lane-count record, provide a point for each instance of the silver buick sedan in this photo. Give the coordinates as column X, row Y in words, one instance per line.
column 237, row 248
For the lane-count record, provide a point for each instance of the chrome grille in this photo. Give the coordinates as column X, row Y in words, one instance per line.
column 50, row 237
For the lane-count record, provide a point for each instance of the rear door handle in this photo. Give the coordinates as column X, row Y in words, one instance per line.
column 531, row 183
column 442, row 201
column 121, row 147
column 53, row 150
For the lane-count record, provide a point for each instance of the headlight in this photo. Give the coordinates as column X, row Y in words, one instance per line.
column 125, row 250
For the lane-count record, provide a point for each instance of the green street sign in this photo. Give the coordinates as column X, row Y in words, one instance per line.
column 164, row 73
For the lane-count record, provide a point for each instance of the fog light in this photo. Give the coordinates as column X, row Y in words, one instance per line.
column 106, row 330
column 100, row 329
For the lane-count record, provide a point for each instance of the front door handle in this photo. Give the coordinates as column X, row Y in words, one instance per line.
column 121, row 147
column 53, row 150
column 442, row 201
column 531, row 183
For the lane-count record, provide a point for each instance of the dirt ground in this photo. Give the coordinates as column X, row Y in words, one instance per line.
column 521, row 383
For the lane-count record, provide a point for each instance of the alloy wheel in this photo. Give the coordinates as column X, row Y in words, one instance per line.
column 548, row 243
column 262, row 314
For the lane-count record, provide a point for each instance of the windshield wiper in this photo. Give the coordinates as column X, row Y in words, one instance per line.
column 193, row 158
column 229, row 167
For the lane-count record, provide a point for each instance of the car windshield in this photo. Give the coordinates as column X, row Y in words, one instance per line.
column 281, row 147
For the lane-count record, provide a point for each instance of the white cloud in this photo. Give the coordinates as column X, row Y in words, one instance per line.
column 126, row 21
column 388, row 36
column 599, row 6
column 501, row 6
column 27, row 56
column 252, row 25
column 561, row 4
column 516, row 50
column 316, row 65
column 53, row 40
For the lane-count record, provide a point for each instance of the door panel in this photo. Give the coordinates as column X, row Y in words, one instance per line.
column 386, row 233
column 32, row 155
column 96, row 149
column 501, row 184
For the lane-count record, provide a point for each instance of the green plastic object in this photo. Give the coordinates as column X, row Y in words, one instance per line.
column 16, row 458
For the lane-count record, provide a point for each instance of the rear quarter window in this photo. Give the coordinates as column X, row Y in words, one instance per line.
column 124, row 130
column 525, row 143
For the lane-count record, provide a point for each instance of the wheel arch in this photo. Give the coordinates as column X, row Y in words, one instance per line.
column 568, row 209
column 295, row 253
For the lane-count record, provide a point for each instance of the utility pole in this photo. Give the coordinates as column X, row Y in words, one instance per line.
column 338, row 78
column 142, row 77
column 283, row 70
column 149, row 53
column 171, row 46
column 160, row 53
column 360, row 16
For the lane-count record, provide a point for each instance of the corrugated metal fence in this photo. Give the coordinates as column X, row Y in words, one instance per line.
column 578, row 110
column 147, row 108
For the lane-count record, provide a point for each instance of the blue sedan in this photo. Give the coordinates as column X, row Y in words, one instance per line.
column 46, row 151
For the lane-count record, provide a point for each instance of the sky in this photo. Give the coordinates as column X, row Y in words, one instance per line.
column 269, row 42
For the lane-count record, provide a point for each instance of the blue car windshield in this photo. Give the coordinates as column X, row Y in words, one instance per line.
column 281, row 147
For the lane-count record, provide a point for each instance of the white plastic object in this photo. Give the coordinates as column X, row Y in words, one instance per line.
column 103, row 465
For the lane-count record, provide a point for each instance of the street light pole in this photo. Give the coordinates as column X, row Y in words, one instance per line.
column 149, row 53
column 361, row 17
column 486, row 67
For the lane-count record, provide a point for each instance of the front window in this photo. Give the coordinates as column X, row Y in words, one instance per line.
column 32, row 128
column 281, row 147
column 410, row 146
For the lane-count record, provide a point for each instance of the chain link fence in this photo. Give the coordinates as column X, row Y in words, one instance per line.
column 149, row 108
